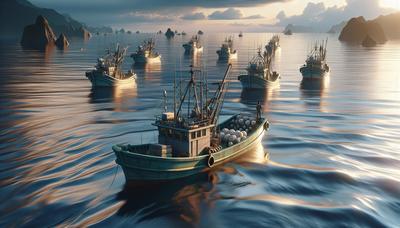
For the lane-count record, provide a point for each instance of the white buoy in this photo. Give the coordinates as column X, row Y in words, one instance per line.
column 230, row 143
column 253, row 122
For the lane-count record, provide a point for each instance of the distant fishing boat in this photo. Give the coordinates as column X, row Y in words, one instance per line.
column 193, row 45
column 146, row 53
column 259, row 74
column 193, row 142
column 226, row 51
column 273, row 45
column 316, row 66
column 108, row 70
column 169, row 33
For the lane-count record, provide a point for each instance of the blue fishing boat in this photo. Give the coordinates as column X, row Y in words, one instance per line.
column 192, row 142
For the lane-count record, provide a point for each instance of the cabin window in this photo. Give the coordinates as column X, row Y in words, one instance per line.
column 204, row 131
column 193, row 135
column 198, row 133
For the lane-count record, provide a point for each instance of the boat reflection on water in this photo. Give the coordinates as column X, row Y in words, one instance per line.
column 148, row 71
column 183, row 202
column 312, row 90
column 116, row 94
column 314, row 87
column 264, row 96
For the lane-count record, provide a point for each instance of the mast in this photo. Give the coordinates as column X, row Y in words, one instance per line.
column 217, row 100
column 174, row 97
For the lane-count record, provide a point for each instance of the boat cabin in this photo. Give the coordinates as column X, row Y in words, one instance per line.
column 186, row 139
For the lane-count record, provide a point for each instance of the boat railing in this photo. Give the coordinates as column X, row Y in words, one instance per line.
column 185, row 123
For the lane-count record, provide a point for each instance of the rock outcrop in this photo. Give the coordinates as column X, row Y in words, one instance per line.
column 16, row 14
column 357, row 29
column 38, row 35
column 390, row 25
column 368, row 42
column 62, row 42
column 169, row 33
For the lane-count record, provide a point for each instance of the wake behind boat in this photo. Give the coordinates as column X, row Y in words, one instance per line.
column 146, row 53
column 191, row 141
column 108, row 70
column 316, row 66
column 259, row 74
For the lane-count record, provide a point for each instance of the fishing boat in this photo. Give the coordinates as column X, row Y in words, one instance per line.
column 192, row 141
column 146, row 53
column 272, row 45
column 316, row 66
column 259, row 74
column 193, row 45
column 108, row 70
column 226, row 51
column 169, row 33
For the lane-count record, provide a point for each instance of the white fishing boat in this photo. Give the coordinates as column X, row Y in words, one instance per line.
column 146, row 53
column 193, row 46
column 259, row 74
column 316, row 66
column 226, row 51
column 108, row 70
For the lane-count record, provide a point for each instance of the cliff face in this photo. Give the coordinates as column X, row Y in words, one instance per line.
column 390, row 25
column 358, row 28
column 38, row 35
column 16, row 14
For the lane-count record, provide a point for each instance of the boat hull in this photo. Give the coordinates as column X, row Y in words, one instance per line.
column 140, row 59
column 226, row 56
column 313, row 73
column 103, row 80
column 253, row 82
column 153, row 168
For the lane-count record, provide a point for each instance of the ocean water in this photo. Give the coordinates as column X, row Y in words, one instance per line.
column 333, row 147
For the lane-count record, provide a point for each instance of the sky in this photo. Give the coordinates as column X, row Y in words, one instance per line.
column 217, row 15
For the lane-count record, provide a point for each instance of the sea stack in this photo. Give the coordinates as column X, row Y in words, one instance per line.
column 368, row 42
column 39, row 35
column 358, row 28
column 62, row 42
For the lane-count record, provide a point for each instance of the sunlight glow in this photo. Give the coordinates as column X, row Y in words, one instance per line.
column 395, row 4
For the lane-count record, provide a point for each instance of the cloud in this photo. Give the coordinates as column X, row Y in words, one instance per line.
column 194, row 16
column 99, row 12
column 231, row 14
column 144, row 17
column 320, row 18
column 257, row 16
column 228, row 14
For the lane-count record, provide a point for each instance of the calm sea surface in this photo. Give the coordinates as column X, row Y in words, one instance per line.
column 334, row 146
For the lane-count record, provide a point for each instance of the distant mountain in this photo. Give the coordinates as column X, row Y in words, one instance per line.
column 337, row 28
column 16, row 14
column 299, row 28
